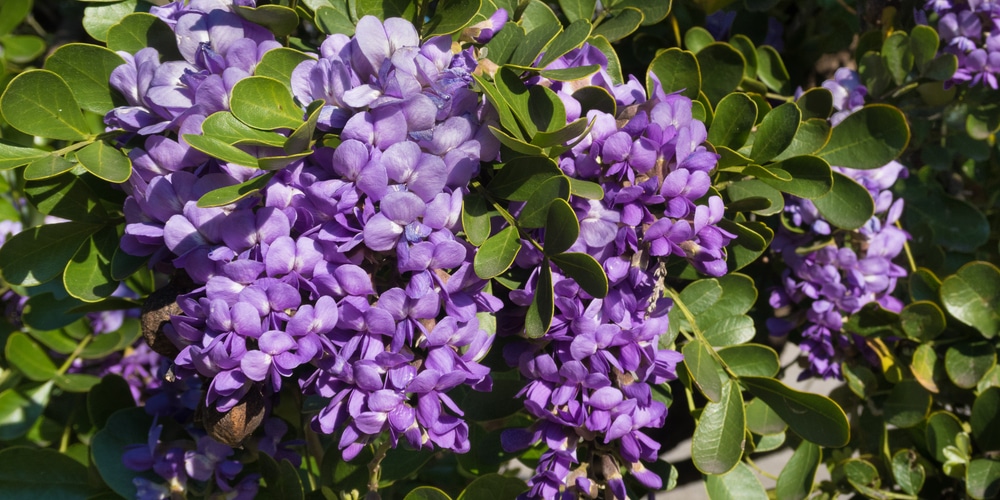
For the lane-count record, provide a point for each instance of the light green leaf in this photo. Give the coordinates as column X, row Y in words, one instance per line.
column 475, row 218
column 39, row 102
column 614, row 65
column 224, row 126
column 384, row 9
column 76, row 382
column 925, row 367
column 497, row 253
column 704, row 369
column 88, row 274
column 717, row 443
column 22, row 49
column 973, row 296
column 106, row 162
column 12, row 12
column 796, row 480
column 12, row 156
column 813, row 417
column 983, row 478
column 868, row 138
column 20, row 408
column 98, row 18
column 230, row 194
column 28, row 357
column 265, row 103
column 697, row 38
column 279, row 64
column 754, row 195
column 219, row 149
column 761, row 419
column 908, row 471
column 848, row 205
column 738, row 484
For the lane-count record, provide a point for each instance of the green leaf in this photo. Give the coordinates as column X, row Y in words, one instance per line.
column 967, row 362
column 738, row 484
column 982, row 478
column 922, row 320
column 734, row 119
column 98, row 18
column 384, row 9
column 12, row 13
column 558, row 137
column 751, row 240
column 88, row 274
column 868, row 138
column 39, row 102
column 811, row 177
column 572, row 38
column 279, row 64
column 333, row 21
column 907, row 405
column 576, row 10
column 28, row 474
column 497, row 253
column 39, row 254
column 754, row 195
column 231, row 194
column 542, row 307
column 940, row 432
column 595, row 98
column 721, row 70
column 107, row 397
column 125, row 427
column 924, row 285
column 775, row 132
column 697, row 38
column 816, row 102
column 796, row 479
column 972, row 295
column 561, row 228
column 569, row 74
column 813, row 134
column 614, row 65
column 265, row 103
column 813, row 417
column 704, row 369
column 753, row 360
column 536, row 209
column 14, row 156
column 955, row 224
column 620, row 24
column 908, row 471
column 676, row 70
column 280, row 20
column 20, row 408
column 540, row 26
column 68, row 197
column 516, row 144
column 985, row 415
column 140, row 30
column 22, row 49
column 475, row 218
column 897, row 55
column 51, row 310
column 761, row 419
column 717, row 443
column 504, row 43
column 771, row 69
column 493, row 487
column 520, row 177
column 55, row 340
column 76, row 382
column 585, row 270
column 426, row 493
column 300, row 140
column 87, row 69
column 942, row 68
column 28, row 357
column 730, row 331
column 925, row 367
column 653, row 12
column 848, row 205
column 217, row 148
column 106, row 162
column 227, row 128
column 282, row 479
column 272, row 163
column 47, row 166
column 451, row 16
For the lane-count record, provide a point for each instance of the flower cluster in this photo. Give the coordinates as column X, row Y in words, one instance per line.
column 842, row 270
column 969, row 29
column 344, row 274
column 590, row 377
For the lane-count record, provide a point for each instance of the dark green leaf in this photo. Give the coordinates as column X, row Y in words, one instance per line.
column 493, row 487
column 751, row 240
column 752, row 360
column 676, row 70
column 542, row 307
column 573, row 37
column 536, row 209
column 332, row 21
column 451, row 16
column 653, row 12
column 560, row 136
column 578, row 9
column 426, row 493
column 123, row 428
column 497, row 253
column 811, row 177
column 697, row 38
column 924, row 285
column 282, row 478
column 704, row 369
column 868, row 138
column 738, row 484
column 956, row 224
column 540, row 27
column 140, row 30
column 51, row 310
column 967, row 362
column 775, row 132
column 985, row 415
column 620, row 25
column 265, row 103
column 561, row 228
column 907, row 405
column 38, row 254
column 585, row 270
column 982, row 478
column 771, row 69
column 475, row 218
column 595, row 98
column 47, row 166
column 922, row 320
column 813, row 134
column 614, row 65
column 848, row 205
column 280, row 20
column 300, row 141
column 796, row 480
column 87, row 69
column 761, row 419
column 28, row 474
column 734, row 119
column 76, row 382
column 107, row 397
column 14, row 156
column 516, row 144
column 940, row 432
column 504, row 42
column 569, row 74
column 811, row 416
column 68, row 197
column 520, row 177
column 816, row 102
column 942, row 68
column 384, row 9
column 28, row 357
column 231, row 194
column 226, row 128
column 499, row 403
column 755, row 189
column 20, row 407
column 717, row 443
column 721, row 70
column 39, row 102
column 88, row 274
column 106, row 162
column 973, row 296
column 897, row 55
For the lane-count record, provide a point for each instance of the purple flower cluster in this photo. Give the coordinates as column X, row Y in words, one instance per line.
column 344, row 275
column 969, row 29
column 590, row 377
column 844, row 270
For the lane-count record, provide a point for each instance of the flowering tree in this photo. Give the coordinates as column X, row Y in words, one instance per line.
column 502, row 249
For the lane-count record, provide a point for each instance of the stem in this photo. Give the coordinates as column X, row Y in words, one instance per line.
column 909, row 254
column 76, row 352
column 697, row 331
column 761, row 471
column 375, row 466
column 778, row 97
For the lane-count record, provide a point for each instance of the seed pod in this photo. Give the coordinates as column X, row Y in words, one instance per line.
column 234, row 426
column 156, row 312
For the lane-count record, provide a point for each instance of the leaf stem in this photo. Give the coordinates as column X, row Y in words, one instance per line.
column 759, row 470
column 76, row 352
column 375, row 466
column 697, row 331
column 909, row 254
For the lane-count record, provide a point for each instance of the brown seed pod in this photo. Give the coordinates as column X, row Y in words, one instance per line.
column 156, row 312
column 234, row 426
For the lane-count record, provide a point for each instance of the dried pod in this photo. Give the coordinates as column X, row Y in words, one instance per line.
column 156, row 312
column 234, row 426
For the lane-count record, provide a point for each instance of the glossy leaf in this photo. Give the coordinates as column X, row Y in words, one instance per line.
column 575, row 10
column 540, row 27
column 908, row 471
column 279, row 64
column 967, row 362
column 721, row 70
column 796, row 479
column 231, row 194
column 561, row 228
column 536, row 209
column 225, row 127
column 771, row 69
column 39, row 102
column 38, row 254
column 520, row 177
column 27, row 474
column 569, row 74
column 982, row 478
column 620, row 24
column 848, row 205
column 922, row 320
column 585, row 270
column 775, row 132
column 562, row 135
column 812, row 136
column 925, row 367
column 676, row 70
column 217, row 148
column 106, row 162
column 816, row 102
column 973, row 296
column 497, row 253
column 811, row 416
column 331, row 21
column 738, row 484
column 76, row 382
column 571, row 38
column 98, row 18
column 761, row 419
column 47, row 166
column 751, row 360
column 87, row 68
column 68, row 197
column 140, row 30
column 475, row 218
column 734, row 119
column 614, row 65
column 717, row 443
column 704, row 369
column 504, row 42
column 29, row 358
column 265, row 103
column 868, row 138
column 124, row 428
column 940, row 432
column 14, row 156
column 88, row 274
column 542, row 307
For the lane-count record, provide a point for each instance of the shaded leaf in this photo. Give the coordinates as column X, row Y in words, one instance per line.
column 813, row 417
column 717, row 443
